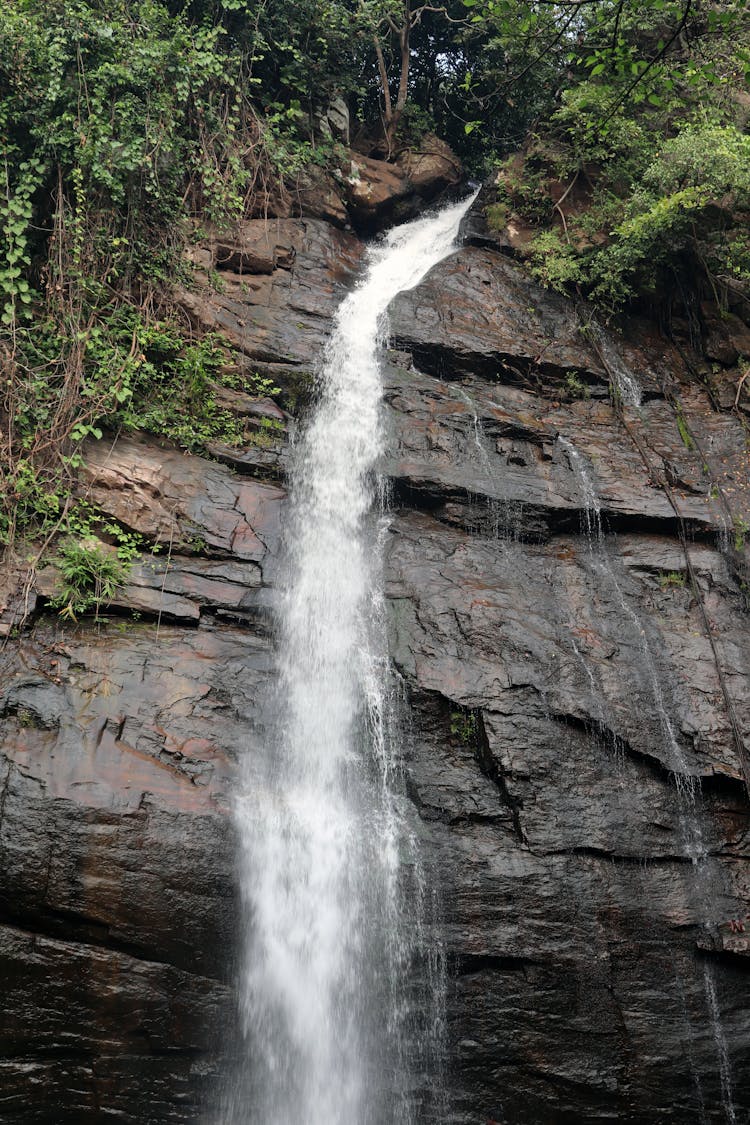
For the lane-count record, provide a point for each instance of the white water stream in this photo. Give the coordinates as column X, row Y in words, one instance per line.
column 329, row 870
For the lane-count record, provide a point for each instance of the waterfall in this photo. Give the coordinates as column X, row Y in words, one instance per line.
column 330, row 877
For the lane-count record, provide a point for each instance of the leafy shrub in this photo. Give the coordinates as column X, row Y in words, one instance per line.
column 649, row 146
column 671, row 579
column 648, row 210
column 90, row 575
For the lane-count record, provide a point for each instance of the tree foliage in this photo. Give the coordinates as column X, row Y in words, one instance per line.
column 640, row 172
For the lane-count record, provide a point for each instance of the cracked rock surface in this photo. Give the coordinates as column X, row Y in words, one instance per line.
column 568, row 614
column 564, row 584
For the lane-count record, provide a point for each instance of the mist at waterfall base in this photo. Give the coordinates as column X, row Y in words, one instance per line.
column 339, row 1029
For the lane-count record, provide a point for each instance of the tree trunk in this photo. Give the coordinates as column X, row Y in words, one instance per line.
column 393, row 118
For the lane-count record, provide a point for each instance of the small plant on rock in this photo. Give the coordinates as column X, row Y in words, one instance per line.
column 268, row 433
column 671, row 578
column 464, row 726
column 90, row 575
column 574, row 386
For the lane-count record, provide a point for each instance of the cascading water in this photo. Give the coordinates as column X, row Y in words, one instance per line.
column 688, row 788
column 329, row 1020
column 624, row 381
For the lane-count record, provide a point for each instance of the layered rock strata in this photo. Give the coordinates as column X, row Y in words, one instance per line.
column 566, row 612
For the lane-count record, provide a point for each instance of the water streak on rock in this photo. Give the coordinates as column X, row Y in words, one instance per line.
column 686, row 784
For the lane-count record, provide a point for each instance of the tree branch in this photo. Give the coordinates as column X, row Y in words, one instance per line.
column 538, row 58
column 656, row 59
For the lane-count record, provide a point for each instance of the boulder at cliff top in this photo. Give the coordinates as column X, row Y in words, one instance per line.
column 431, row 168
column 379, row 193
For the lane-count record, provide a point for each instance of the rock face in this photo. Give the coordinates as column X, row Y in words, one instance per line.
column 564, row 581
column 116, row 883
column 279, row 282
column 566, row 615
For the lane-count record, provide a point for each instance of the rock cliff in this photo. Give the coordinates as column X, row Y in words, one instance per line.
column 566, row 582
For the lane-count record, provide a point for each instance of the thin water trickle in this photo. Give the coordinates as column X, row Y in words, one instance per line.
column 725, row 1070
column 476, row 422
column 332, row 1026
column 686, row 785
column 626, row 384
column 592, row 518
column 495, row 518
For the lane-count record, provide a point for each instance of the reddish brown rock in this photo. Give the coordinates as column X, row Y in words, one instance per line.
column 379, row 193
column 374, row 187
column 432, row 167
column 175, row 499
column 117, row 909
column 318, row 195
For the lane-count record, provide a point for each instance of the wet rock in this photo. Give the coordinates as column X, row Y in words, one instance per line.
column 566, row 614
column 249, row 406
column 534, row 611
column 490, row 225
column 64, row 999
column 379, row 193
column 477, row 312
column 253, row 460
column 117, row 907
column 556, row 690
column 282, row 280
column 492, row 454
column 198, row 583
column 175, row 499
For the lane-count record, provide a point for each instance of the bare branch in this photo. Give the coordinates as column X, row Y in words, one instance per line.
column 559, row 203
